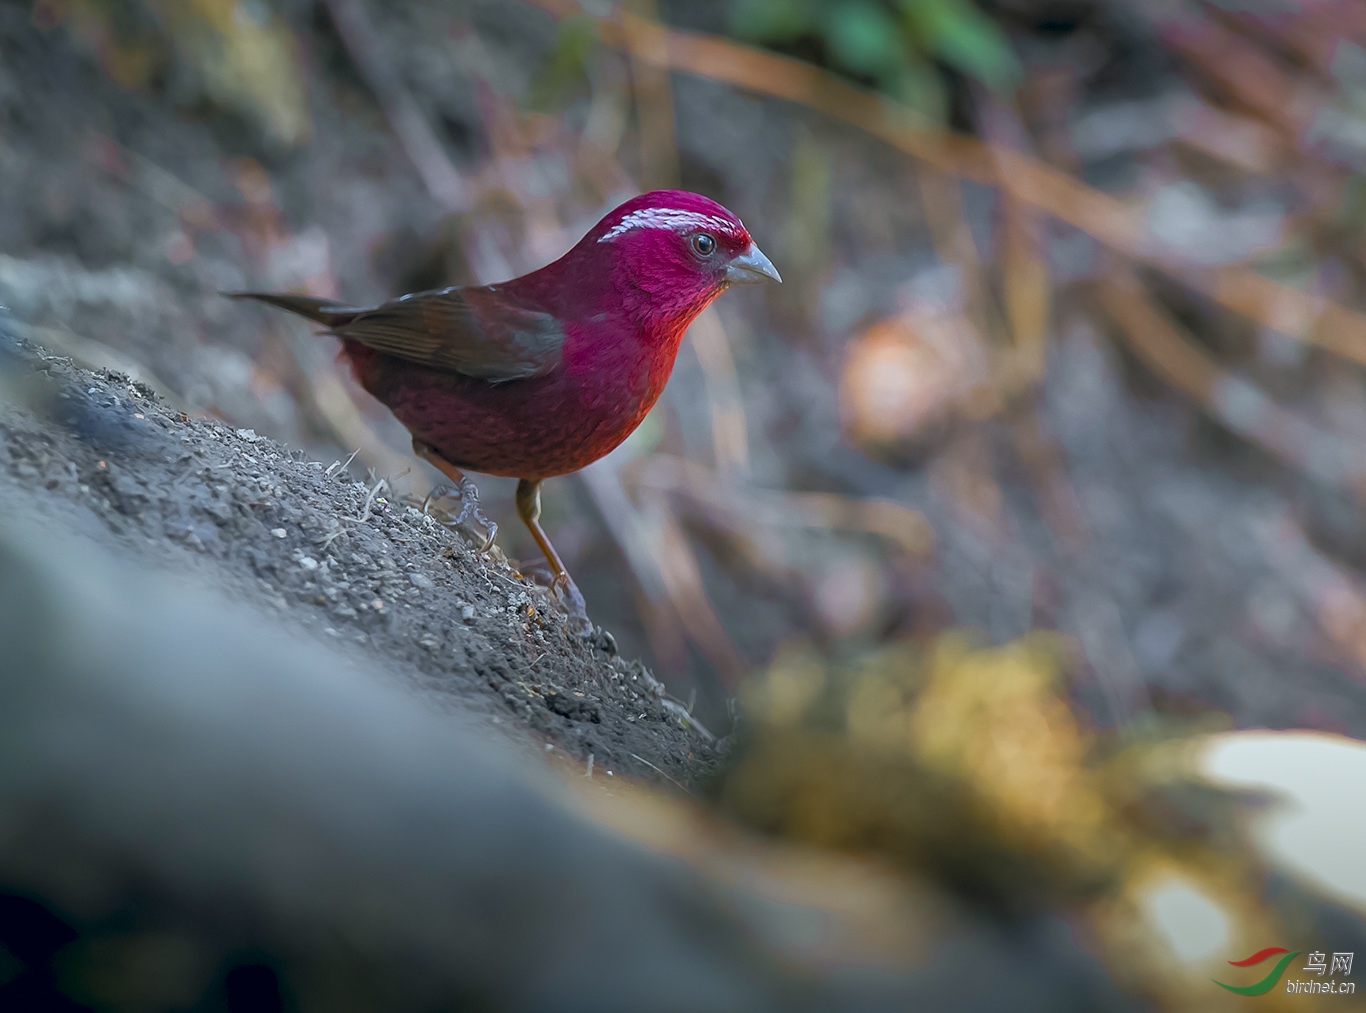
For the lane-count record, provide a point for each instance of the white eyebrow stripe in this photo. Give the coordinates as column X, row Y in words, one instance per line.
column 666, row 218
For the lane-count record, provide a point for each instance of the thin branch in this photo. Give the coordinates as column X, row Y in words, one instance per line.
column 661, row 773
column 729, row 428
column 339, row 465
column 383, row 483
column 405, row 116
column 1237, row 403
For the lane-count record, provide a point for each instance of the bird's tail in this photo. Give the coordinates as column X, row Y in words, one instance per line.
column 323, row 311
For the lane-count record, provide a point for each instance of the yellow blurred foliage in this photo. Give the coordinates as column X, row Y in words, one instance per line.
column 236, row 53
column 245, row 58
column 995, row 719
column 967, row 764
column 960, row 758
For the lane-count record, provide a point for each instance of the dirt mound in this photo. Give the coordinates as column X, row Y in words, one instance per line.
column 333, row 554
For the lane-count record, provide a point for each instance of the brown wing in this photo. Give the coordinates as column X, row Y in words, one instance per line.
column 475, row 331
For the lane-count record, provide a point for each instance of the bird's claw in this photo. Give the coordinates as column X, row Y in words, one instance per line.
column 470, row 510
column 561, row 587
column 564, row 588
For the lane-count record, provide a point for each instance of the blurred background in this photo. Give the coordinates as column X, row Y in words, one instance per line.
column 1067, row 339
column 1071, row 336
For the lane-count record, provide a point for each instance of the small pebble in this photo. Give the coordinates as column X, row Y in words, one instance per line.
column 278, row 532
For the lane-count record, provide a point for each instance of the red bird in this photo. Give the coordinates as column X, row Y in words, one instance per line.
column 544, row 374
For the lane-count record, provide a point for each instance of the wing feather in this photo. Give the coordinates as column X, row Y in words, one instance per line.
column 475, row 331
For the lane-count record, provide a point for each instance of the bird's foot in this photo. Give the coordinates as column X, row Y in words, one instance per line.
column 564, row 588
column 470, row 514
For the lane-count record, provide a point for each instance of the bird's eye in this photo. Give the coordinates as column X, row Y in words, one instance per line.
column 703, row 244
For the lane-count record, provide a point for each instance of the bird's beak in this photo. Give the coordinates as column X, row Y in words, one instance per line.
column 752, row 267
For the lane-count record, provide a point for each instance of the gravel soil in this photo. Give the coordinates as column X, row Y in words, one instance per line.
column 103, row 455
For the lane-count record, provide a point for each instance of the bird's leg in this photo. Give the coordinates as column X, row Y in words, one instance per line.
column 463, row 487
column 529, row 509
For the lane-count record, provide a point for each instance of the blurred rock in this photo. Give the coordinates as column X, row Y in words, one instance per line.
column 198, row 810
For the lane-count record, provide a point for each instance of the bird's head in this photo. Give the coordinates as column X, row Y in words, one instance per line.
column 672, row 252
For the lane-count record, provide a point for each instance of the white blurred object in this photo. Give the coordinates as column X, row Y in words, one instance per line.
column 1193, row 926
column 1316, row 828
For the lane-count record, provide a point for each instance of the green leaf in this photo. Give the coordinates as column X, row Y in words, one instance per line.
column 864, row 38
column 771, row 20
column 918, row 85
column 963, row 37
